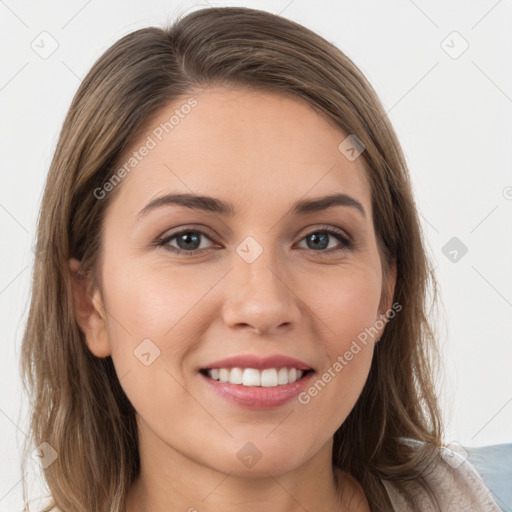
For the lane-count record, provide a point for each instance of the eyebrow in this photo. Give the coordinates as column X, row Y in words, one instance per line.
column 214, row 205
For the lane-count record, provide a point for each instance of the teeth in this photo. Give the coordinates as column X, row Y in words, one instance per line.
column 270, row 377
column 251, row 377
column 236, row 376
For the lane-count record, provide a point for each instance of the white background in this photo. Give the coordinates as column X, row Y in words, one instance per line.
column 453, row 117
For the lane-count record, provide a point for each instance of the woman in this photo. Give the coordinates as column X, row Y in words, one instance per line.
column 229, row 306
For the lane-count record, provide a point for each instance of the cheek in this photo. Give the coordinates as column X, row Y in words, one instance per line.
column 347, row 313
column 154, row 304
column 158, row 317
column 153, row 324
column 347, row 303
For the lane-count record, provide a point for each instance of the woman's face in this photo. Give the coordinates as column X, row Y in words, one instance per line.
column 261, row 279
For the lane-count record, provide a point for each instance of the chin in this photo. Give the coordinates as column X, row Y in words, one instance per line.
column 257, row 460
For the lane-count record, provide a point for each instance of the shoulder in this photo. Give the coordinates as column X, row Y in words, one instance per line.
column 455, row 484
column 460, row 485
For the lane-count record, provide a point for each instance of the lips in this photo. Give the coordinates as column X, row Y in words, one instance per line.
column 257, row 397
column 256, row 382
column 258, row 362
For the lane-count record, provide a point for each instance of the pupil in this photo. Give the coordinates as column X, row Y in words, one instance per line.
column 189, row 238
column 319, row 240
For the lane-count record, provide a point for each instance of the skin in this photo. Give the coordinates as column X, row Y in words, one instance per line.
column 262, row 152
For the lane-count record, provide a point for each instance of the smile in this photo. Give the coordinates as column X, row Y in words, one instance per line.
column 269, row 377
column 262, row 391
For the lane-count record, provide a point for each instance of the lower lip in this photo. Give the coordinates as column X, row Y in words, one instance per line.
column 259, row 397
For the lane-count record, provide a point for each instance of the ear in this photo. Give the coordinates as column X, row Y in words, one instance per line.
column 89, row 311
column 388, row 291
column 390, row 286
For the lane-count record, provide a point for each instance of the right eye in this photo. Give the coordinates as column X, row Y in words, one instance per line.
column 187, row 240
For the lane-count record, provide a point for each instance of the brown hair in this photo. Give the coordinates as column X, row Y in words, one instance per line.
column 78, row 404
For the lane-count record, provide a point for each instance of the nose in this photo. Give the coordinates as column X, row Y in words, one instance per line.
column 260, row 296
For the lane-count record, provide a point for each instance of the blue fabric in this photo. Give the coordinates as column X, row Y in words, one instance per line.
column 494, row 464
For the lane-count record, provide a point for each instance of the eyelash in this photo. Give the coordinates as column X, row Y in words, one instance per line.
column 163, row 241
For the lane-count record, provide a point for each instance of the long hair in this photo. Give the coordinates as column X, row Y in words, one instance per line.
column 78, row 405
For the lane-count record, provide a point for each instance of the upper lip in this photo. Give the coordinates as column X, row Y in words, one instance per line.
column 258, row 362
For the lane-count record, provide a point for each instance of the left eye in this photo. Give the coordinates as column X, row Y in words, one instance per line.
column 320, row 239
column 189, row 241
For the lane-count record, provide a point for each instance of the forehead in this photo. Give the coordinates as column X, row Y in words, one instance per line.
column 253, row 146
